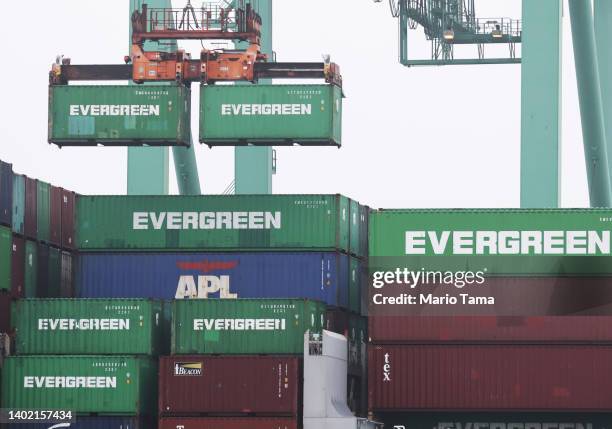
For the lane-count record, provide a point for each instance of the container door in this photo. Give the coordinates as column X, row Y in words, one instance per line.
column 18, row 266
column 66, row 285
column 30, row 226
column 18, row 203
column 6, row 193
column 31, row 267
column 67, row 219
column 42, row 273
column 55, row 272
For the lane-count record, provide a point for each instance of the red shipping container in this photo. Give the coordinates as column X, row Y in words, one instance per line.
column 490, row 329
column 18, row 267
column 265, row 385
column 227, row 423
column 55, row 215
column 30, row 226
column 68, row 200
column 5, row 312
column 490, row 378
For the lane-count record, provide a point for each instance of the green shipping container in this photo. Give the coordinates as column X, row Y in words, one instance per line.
column 107, row 385
column 31, row 268
column 88, row 326
column 119, row 115
column 43, row 200
column 271, row 115
column 6, row 253
column 54, row 285
column 18, row 203
column 235, row 222
column 244, row 326
column 498, row 242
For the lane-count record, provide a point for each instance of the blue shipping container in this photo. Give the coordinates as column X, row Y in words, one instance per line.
column 18, row 203
column 97, row 422
column 322, row 276
column 6, row 193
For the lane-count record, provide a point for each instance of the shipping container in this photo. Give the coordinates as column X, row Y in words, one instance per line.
column 313, row 275
column 490, row 377
column 354, row 328
column 96, row 422
column 66, row 276
column 357, row 395
column 6, row 253
column 499, row 241
column 107, row 385
column 355, row 278
column 54, row 274
column 18, row 266
column 364, row 223
column 68, row 204
column 244, row 326
column 31, row 269
column 216, row 222
column 5, row 311
column 43, row 202
column 88, row 326
column 254, row 385
column 55, row 216
column 18, row 203
column 309, row 115
column 228, row 423
column 470, row 420
column 83, row 115
column 31, row 212
column 42, row 271
column 6, row 193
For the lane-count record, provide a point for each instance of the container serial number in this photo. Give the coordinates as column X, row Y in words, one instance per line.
column 40, row 416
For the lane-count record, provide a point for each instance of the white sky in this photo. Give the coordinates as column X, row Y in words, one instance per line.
column 419, row 137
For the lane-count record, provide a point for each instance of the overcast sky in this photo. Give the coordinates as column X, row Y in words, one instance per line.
column 418, row 137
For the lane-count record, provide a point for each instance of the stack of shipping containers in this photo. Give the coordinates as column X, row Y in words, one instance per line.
column 539, row 352
column 93, row 357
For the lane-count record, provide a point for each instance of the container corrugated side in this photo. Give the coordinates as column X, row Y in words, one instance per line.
column 54, row 274
column 244, row 326
column 6, row 193
column 55, row 216
column 6, row 253
column 18, row 203
column 228, row 423
column 505, row 242
column 493, row 377
column 236, row 222
column 255, row 385
column 68, row 205
column 5, row 312
column 43, row 201
column 88, row 326
column 312, row 275
column 110, row 385
column 31, row 212
column 87, row 115
column 271, row 114
column 42, row 271
column 96, row 422
column 31, row 269
column 66, row 275
column 18, row 266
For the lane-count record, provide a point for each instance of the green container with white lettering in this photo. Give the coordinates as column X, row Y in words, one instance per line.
column 119, row 115
column 244, row 326
column 88, row 326
column 107, row 385
column 271, row 115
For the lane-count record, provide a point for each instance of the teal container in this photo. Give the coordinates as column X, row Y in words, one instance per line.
column 31, row 268
column 43, row 200
column 18, row 203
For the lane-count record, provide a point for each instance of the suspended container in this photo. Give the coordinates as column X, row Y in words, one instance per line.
column 18, row 203
column 228, row 423
column 88, row 326
column 244, row 326
column 107, row 385
column 235, row 222
column 255, row 385
column 67, row 213
column 270, row 115
column 55, row 216
column 43, row 211
column 6, row 254
column 31, row 269
column 18, row 266
column 321, row 276
column 6, row 193
column 81, row 115
column 31, row 212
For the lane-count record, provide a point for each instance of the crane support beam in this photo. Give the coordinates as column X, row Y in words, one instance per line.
column 461, row 62
column 591, row 105
column 603, row 37
column 541, row 104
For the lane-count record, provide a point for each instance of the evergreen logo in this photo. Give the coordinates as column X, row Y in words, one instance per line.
column 188, row 369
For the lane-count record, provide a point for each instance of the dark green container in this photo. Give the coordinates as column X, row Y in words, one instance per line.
column 88, row 326
column 6, row 252
column 54, row 274
column 498, row 242
column 43, row 200
column 81, row 115
column 31, row 268
column 271, row 115
column 107, row 385
column 244, row 326
column 18, row 203
column 237, row 222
